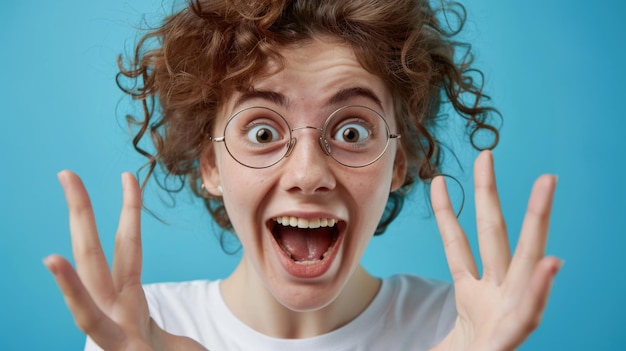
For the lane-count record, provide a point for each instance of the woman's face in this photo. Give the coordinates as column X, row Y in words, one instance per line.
column 338, row 208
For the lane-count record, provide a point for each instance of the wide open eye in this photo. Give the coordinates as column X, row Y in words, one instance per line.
column 263, row 134
column 353, row 132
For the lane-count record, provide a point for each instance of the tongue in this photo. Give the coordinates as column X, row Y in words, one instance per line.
column 305, row 244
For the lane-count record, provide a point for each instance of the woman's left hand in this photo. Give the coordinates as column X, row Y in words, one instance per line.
column 499, row 310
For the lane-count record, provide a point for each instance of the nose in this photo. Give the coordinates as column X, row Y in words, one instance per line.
column 306, row 167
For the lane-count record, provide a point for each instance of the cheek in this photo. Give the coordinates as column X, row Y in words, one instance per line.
column 379, row 180
column 234, row 182
column 371, row 191
column 244, row 192
column 240, row 192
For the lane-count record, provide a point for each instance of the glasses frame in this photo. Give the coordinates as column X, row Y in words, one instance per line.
column 291, row 143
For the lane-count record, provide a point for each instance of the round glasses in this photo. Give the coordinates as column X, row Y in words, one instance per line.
column 259, row 137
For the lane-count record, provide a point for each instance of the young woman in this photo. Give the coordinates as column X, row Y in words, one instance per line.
column 302, row 124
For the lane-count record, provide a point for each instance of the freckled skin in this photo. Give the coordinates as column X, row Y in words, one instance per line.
column 260, row 291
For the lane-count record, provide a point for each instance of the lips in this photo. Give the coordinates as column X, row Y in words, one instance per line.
column 306, row 247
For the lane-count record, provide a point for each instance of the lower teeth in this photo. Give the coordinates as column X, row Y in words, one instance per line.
column 307, row 263
column 310, row 261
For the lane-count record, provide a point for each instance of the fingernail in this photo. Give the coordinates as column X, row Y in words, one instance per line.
column 127, row 177
column 47, row 262
column 62, row 177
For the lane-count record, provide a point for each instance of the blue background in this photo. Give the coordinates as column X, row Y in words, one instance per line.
column 556, row 71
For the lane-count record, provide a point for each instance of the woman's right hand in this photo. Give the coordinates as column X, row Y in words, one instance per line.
column 109, row 306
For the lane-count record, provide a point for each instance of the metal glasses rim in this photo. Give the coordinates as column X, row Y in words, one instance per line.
column 291, row 144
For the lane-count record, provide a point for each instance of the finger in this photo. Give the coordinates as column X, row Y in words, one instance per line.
column 460, row 259
column 532, row 242
column 492, row 235
column 127, row 257
column 91, row 264
column 527, row 316
column 87, row 315
column 535, row 301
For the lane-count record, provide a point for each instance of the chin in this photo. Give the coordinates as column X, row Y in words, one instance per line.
column 300, row 297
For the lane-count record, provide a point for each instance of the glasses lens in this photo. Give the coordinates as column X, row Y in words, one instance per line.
column 356, row 136
column 257, row 137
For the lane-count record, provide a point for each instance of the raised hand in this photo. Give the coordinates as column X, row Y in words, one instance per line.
column 500, row 309
column 109, row 306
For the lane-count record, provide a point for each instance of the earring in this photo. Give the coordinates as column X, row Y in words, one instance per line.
column 205, row 193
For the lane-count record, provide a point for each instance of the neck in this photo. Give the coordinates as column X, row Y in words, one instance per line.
column 249, row 300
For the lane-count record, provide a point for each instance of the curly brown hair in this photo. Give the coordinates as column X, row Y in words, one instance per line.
column 184, row 70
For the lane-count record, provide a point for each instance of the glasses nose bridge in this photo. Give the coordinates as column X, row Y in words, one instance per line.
column 323, row 143
column 321, row 130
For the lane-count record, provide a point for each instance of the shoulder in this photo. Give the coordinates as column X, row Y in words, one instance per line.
column 194, row 288
column 417, row 290
column 185, row 296
column 420, row 306
column 180, row 294
column 185, row 308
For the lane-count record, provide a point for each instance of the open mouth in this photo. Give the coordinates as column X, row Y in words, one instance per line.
column 305, row 241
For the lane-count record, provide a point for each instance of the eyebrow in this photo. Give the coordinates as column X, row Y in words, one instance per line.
column 268, row 95
column 345, row 95
column 342, row 96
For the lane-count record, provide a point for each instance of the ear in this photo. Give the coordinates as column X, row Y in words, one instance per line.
column 210, row 171
column 399, row 169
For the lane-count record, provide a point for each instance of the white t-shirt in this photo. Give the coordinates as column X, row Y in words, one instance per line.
column 408, row 313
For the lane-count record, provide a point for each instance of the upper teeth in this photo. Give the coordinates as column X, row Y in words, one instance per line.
column 305, row 223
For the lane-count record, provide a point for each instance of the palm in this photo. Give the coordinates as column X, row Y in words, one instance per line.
column 500, row 309
column 109, row 305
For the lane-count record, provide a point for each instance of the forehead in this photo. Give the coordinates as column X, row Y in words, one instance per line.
column 322, row 73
